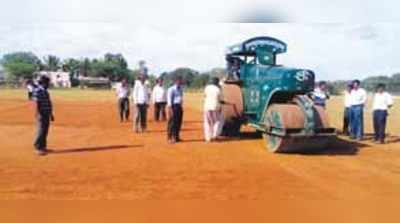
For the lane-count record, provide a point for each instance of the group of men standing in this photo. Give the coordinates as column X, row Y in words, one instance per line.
column 355, row 99
column 166, row 104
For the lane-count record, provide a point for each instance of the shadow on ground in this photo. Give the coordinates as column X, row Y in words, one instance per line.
column 389, row 138
column 338, row 145
column 93, row 149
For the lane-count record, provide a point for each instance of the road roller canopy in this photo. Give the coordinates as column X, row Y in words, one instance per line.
column 251, row 46
column 262, row 50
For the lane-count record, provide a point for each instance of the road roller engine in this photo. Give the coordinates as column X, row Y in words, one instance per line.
column 272, row 98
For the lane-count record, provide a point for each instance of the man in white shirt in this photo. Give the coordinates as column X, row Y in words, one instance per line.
column 140, row 96
column 358, row 98
column 213, row 119
column 347, row 106
column 382, row 102
column 123, row 92
column 159, row 97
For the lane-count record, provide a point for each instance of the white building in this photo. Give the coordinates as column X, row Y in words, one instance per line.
column 58, row 78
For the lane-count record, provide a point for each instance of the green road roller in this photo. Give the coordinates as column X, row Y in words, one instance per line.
column 272, row 98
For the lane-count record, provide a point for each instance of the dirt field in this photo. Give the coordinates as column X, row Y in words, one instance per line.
column 96, row 157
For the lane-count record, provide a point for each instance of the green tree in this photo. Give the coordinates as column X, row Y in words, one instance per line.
column 72, row 66
column 51, row 63
column 186, row 73
column 84, row 67
column 20, row 65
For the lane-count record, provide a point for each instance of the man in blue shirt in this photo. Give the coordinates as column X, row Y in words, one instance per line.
column 175, row 110
column 44, row 114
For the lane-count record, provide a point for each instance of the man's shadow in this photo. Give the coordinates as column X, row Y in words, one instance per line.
column 93, row 149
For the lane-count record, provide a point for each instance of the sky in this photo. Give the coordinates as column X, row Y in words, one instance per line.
column 339, row 40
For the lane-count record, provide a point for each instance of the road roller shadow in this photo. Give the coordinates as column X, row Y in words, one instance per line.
column 338, row 147
column 243, row 136
column 182, row 130
column 92, row 149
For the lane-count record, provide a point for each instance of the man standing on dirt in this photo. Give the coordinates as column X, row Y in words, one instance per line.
column 140, row 96
column 175, row 110
column 43, row 113
column 382, row 102
column 358, row 98
column 123, row 100
column 159, row 97
column 213, row 120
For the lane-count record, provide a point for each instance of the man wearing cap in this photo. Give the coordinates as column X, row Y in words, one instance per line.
column 175, row 110
column 44, row 114
column 358, row 98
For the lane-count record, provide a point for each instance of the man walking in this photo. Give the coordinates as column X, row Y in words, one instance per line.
column 358, row 98
column 123, row 100
column 382, row 102
column 175, row 110
column 159, row 97
column 140, row 96
column 212, row 111
column 43, row 113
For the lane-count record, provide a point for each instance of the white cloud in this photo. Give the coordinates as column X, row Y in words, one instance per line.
column 333, row 50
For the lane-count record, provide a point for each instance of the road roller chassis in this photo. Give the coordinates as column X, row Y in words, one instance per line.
column 273, row 98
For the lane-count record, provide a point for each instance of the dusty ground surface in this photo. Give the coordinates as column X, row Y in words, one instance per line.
column 96, row 157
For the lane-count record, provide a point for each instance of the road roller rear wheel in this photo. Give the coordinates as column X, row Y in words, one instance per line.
column 232, row 110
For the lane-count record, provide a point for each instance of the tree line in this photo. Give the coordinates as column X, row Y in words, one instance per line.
column 392, row 83
column 20, row 66
column 23, row 65
column 114, row 66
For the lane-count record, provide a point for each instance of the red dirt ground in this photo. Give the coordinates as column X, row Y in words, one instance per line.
column 96, row 157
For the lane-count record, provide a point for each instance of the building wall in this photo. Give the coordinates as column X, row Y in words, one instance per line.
column 58, row 79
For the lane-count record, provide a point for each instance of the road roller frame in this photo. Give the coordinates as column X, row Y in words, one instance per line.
column 270, row 97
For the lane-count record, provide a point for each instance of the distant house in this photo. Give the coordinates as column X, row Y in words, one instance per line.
column 94, row 82
column 58, row 79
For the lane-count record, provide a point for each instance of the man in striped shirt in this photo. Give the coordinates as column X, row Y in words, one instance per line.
column 43, row 113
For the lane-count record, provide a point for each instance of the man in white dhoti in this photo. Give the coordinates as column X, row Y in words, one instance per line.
column 213, row 117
